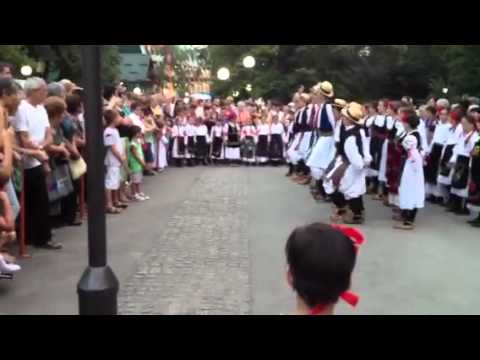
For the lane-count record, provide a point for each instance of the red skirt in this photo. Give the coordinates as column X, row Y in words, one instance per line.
column 394, row 166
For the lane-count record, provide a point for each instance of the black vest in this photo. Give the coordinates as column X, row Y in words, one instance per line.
column 325, row 125
column 344, row 135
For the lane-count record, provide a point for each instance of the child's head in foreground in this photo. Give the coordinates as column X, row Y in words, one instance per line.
column 321, row 259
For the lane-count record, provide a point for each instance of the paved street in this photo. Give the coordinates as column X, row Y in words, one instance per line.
column 211, row 242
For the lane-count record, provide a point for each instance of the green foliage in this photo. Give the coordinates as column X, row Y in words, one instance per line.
column 360, row 72
column 61, row 61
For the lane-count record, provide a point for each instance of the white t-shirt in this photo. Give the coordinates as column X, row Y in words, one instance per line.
column 111, row 137
column 34, row 121
column 136, row 121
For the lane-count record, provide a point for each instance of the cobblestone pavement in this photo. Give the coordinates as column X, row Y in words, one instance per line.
column 200, row 264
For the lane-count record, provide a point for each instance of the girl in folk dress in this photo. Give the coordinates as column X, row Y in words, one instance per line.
column 249, row 139
column 190, row 130
column 277, row 132
column 460, row 162
column 216, row 136
column 263, row 133
column 412, row 183
column 179, row 135
column 231, row 132
column 445, row 172
column 433, row 156
column 474, row 190
column 394, row 157
column 162, row 146
column 378, row 147
column 372, row 175
column 202, row 141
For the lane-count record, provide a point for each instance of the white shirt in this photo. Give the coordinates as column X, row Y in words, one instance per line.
column 422, row 130
column 352, row 152
column 263, row 129
column 248, row 130
column 34, row 121
column 217, row 131
column 191, row 130
column 201, row 130
column 465, row 145
column 111, row 137
column 441, row 134
column 137, row 121
column 277, row 129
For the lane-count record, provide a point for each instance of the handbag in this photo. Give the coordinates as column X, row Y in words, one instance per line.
column 59, row 183
column 78, row 168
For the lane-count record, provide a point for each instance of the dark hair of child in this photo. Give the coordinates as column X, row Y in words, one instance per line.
column 321, row 261
column 431, row 110
column 134, row 131
column 411, row 119
column 110, row 116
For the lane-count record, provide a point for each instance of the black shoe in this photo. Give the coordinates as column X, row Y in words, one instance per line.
column 462, row 212
column 51, row 245
column 474, row 221
column 476, row 224
column 431, row 199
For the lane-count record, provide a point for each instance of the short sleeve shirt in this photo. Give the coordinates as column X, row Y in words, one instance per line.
column 34, row 121
column 111, row 137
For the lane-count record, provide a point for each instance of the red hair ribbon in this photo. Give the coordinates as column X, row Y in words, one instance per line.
column 440, row 108
column 354, row 234
column 455, row 115
column 404, row 117
column 349, row 297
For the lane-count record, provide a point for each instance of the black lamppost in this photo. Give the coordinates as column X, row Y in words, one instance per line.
column 98, row 287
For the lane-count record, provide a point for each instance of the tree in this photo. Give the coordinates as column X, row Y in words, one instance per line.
column 360, row 72
column 17, row 55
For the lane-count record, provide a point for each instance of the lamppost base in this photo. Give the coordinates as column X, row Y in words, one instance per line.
column 97, row 292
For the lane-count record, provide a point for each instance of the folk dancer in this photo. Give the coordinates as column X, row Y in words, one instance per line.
column 345, row 183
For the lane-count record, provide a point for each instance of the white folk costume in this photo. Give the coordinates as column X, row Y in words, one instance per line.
column 433, row 156
column 323, row 151
column 461, row 160
column 263, row 136
column 301, row 142
column 162, row 147
column 412, row 189
column 422, row 130
column 202, row 141
column 446, row 170
column 288, row 139
column 216, row 136
column 276, row 142
column 346, row 182
column 179, row 135
column 191, row 131
column 378, row 146
column 382, row 174
column 368, row 138
column 249, row 139
column 231, row 132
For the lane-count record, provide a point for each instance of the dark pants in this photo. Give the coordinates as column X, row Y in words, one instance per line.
column 339, row 201
column 70, row 204
column 356, row 205
column 37, row 207
column 409, row 215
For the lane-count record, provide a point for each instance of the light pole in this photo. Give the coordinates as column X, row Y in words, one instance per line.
column 98, row 287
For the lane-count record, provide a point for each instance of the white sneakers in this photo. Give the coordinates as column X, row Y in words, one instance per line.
column 141, row 197
column 7, row 267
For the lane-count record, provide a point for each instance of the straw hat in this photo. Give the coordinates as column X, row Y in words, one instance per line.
column 354, row 112
column 339, row 104
column 325, row 88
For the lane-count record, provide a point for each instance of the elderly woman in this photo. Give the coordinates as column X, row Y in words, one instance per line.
column 61, row 150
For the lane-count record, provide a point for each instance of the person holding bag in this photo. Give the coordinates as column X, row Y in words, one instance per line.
column 61, row 152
